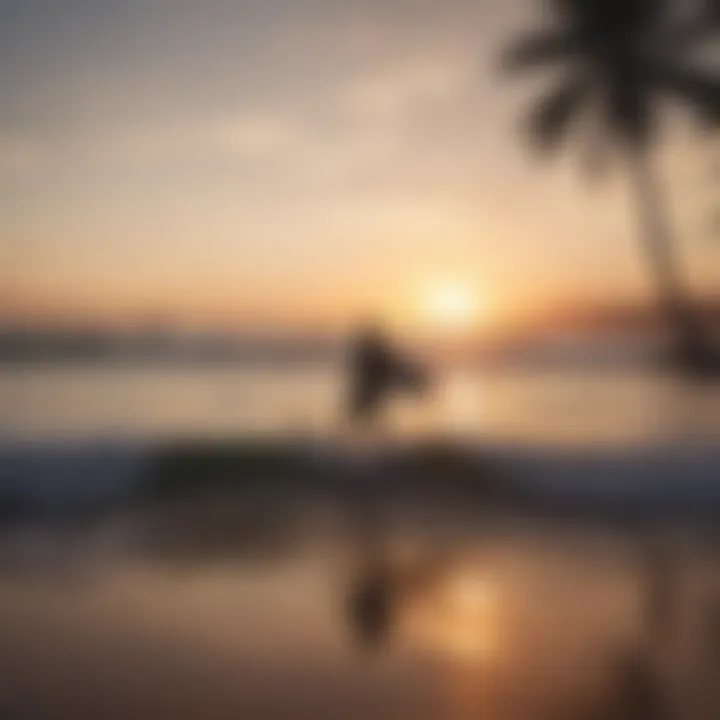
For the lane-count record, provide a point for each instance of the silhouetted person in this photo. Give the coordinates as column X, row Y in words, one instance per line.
column 376, row 371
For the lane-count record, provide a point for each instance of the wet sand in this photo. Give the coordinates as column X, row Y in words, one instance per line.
column 219, row 609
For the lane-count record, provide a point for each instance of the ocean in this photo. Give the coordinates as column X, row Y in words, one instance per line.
column 161, row 402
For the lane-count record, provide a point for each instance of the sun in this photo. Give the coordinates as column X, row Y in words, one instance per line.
column 451, row 305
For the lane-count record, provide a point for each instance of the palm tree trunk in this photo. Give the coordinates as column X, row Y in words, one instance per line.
column 690, row 349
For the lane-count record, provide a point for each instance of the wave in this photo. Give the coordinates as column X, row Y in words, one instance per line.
column 65, row 476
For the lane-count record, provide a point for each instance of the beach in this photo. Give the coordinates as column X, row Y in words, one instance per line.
column 190, row 572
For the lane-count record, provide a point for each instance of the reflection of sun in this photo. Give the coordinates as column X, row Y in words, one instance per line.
column 471, row 621
column 451, row 305
column 464, row 619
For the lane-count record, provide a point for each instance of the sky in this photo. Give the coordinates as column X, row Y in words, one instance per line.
column 300, row 163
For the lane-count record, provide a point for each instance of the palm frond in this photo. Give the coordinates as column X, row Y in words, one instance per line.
column 630, row 111
column 700, row 89
column 706, row 18
column 551, row 117
column 537, row 50
column 613, row 21
column 702, row 28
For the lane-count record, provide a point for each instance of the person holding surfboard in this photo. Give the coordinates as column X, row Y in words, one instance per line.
column 376, row 371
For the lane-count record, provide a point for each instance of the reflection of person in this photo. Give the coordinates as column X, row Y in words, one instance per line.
column 375, row 372
column 371, row 605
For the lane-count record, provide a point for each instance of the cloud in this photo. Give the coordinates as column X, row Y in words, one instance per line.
column 254, row 133
column 313, row 142
column 393, row 92
column 168, row 142
column 359, row 127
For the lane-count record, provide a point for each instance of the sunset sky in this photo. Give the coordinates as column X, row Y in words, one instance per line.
column 300, row 163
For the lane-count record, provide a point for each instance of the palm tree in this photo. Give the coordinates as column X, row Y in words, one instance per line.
column 619, row 58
